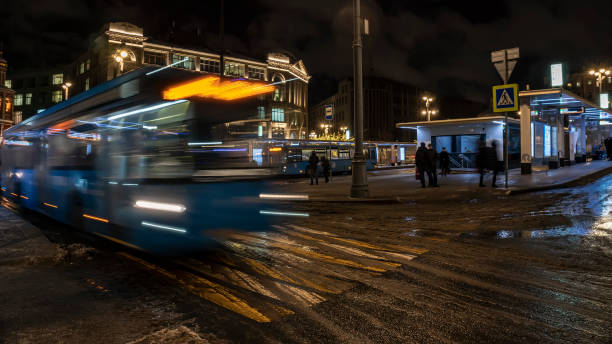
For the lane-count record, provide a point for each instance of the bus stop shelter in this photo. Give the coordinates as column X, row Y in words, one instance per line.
column 559, row 128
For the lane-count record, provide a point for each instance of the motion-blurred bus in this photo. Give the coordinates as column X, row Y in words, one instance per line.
column 138, row 160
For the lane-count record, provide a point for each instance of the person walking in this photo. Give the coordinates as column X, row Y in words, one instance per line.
column 420, row 160
column 432, row 160
column 313, row 165
column 444, row 162
column 493, row 162
column 326, row 168
column 481, row 160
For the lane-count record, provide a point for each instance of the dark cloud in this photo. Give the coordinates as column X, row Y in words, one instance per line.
column 440, row 45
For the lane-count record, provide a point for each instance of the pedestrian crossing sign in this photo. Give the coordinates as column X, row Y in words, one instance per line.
column 505, row 98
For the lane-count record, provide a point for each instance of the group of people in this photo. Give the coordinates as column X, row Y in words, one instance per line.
column 313, row 168
column 427, row 158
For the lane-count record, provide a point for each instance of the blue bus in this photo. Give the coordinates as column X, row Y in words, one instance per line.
column 124, row 162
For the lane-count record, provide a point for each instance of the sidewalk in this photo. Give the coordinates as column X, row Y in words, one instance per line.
column 396, row 185
column 21, row 242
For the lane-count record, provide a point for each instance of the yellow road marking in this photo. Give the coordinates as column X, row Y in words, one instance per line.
column 211, row 291
column 325, row 257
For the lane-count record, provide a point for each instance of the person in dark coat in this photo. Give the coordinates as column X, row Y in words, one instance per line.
column 313, row 164
column 444, row 162
column 481, row 160
column 432, row 165
column 493, row 162
column 326, row 168
column 420, row 160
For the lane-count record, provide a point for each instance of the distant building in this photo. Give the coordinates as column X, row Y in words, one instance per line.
column 7, row 99
column 386, row 102
column 122, row 47
column 585, row 85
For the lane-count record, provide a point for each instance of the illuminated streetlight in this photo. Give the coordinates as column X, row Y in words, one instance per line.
column 119, row 57
column 66, row 86
column 599, row 76
column 428, row 112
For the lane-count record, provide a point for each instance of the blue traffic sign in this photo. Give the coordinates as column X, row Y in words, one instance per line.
column 505, row 98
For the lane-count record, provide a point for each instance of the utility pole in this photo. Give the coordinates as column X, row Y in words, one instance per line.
column 221, row 38
column 359, row 186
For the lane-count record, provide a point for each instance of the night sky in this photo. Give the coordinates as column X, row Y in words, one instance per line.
column 439, row 45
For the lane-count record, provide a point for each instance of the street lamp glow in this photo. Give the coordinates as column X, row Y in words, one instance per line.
column 591, row 72
column 123, row 54
column 118, row 58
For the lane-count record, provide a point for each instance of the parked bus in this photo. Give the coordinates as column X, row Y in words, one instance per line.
column 123, row 161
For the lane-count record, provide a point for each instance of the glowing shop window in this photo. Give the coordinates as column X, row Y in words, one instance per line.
column 547, row 146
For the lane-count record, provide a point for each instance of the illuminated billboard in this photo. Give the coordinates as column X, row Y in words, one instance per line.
column 603, row 101
column 556, row 75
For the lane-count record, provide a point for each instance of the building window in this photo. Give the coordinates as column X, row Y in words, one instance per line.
column 8, row 83
column 82, row 68
column 255, row 73
column 58, row 79
column 578, row 84
column 278, row 115
column 277, row 97
column 87, row 84
column 234, row 69
column 28, row 99
column 189, row 64
column 209, row 65
column 88, row 64
column 7, row 105
column 261, row 112
column 56, row 96
column 156, row 59
column 589, row 82
column 18, row 99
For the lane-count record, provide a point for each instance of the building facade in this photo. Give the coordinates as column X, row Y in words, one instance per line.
column 386, row 102
column 121, row 47
column 7, row 99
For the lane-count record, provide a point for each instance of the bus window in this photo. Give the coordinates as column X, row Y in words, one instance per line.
column 294, row 155
column 333, row 153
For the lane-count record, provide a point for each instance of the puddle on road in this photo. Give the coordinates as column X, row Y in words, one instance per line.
column 530, row 234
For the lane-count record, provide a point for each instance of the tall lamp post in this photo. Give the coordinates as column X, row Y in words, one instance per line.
column 66, row 86
column 119, row 57
column 599, row 76
column 428, row 100
column 359, row 186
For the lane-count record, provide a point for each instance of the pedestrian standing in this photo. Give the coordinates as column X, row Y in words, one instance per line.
column 494, row 163
column 313, row 165
column 444, row 162
column 481, row 160
column 420, row 160
column 326, row 168
column 432, row 161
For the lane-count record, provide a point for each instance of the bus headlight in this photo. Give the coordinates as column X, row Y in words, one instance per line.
column 175, row 208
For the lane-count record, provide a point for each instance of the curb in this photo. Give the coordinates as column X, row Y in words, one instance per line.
column 572, row 182
column 398, row 198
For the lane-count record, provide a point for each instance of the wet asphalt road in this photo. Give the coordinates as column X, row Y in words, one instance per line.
column 525, row 268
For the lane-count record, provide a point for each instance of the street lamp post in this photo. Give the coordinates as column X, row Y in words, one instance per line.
column 359, row 186
column 119, row 57
column 66, row 86
column 599, row 76
column 428, row 112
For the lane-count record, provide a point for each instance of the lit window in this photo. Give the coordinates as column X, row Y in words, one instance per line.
column 153, row 58
column 261, row 112
column 277, row 97
column 87, row 84
column 209, row 65
column 609, row 80
column 569, row 84
column 589, row 82
column 259, row 130
column 82, row 68
column 8, row 83
column 56, row 96
column 189, row 64
column 7, row 105
column 88, row 64
column 578, row 84
column 18, row 99
column 278, row 115
column 234, row 69
column 58, row 79
column 28, row 99
column 255, row 73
